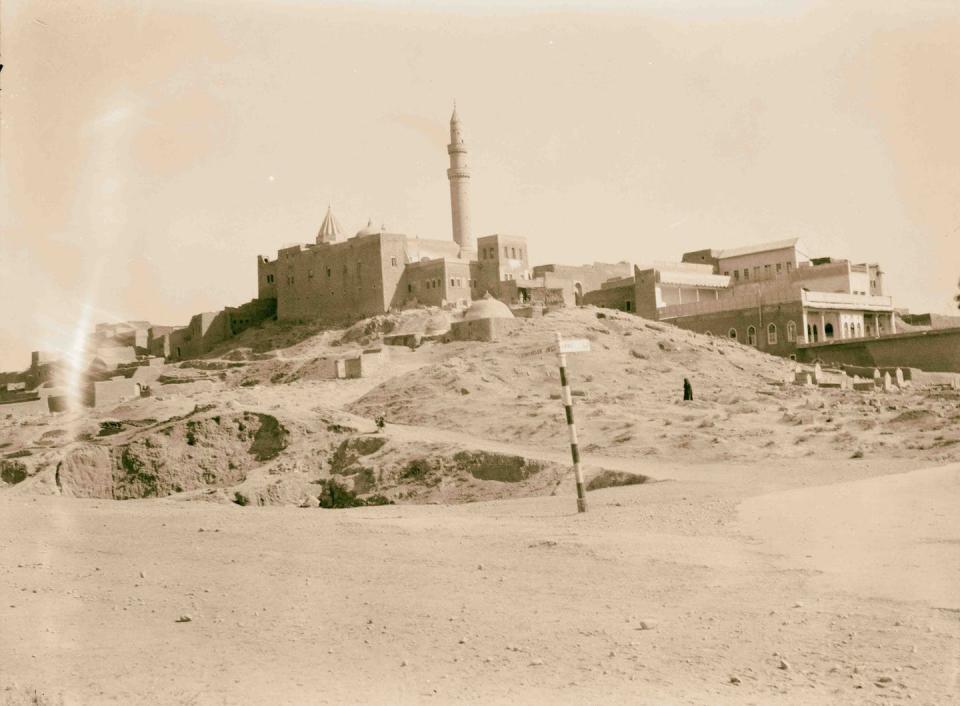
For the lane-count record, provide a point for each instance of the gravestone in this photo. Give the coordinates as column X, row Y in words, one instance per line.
column 887, row 383
column 899, row 375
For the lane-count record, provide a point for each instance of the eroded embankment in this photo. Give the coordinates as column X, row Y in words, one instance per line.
column 215, row 451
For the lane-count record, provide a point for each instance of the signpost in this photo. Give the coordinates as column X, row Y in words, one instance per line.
column 575, row 345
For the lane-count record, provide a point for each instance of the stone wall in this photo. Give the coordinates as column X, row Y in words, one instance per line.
column 336, row 282
column 622, row 298
column 253, row 313
column 436, row 282
column 24, row 408
column 588, row 277
column 266, row 278
column 937, row 350
column 780, row 315
column 108, row 393
column 486, row 330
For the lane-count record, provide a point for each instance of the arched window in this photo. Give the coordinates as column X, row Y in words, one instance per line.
column 751, row 336
column 732, row 333
column 791, row 332
column 828, row 331
column 772, row 335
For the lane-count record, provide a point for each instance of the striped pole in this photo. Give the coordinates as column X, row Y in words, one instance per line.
column 574, row 448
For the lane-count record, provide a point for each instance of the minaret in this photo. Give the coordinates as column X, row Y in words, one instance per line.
column 459, row 176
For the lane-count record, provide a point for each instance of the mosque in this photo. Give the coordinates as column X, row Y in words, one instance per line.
column 771, row 296
column 338, row 278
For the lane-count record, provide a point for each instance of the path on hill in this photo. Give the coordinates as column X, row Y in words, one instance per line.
column 414, row 433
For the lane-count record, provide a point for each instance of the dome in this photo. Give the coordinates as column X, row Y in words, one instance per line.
column 487, row 308
column 369, row 229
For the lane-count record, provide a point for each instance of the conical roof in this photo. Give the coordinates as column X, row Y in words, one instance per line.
column 330, row 230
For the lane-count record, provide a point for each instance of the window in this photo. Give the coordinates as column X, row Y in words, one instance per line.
column 329, row 272
column 726, row 274
column 732, row 333
column 453, row 282
column 779, row 268
column 751, row 336
column 791, row 332
column 409, row 288
column 789, row 266
column 828, row 330
column 746, row 273
column 513, row 253
column 766, row 271
column 736, row 275
column 772, row 335
column 393, row 261
column 505, row 251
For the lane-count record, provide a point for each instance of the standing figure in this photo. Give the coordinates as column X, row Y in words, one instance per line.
column 687, row 390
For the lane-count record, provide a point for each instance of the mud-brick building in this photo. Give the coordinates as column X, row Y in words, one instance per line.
column 770, row 295
column 337, row 279
column 207, row 329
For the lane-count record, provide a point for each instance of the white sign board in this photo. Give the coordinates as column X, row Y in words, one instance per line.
column 575, row 345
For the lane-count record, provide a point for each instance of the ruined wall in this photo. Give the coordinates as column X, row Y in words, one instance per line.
column 25, row 408
column 266, row 278
column 158, row 340
column 254, row 312
column 203, row 332
column 108, row 393
column 937, row 350
column 588, row 277
column 622, row 298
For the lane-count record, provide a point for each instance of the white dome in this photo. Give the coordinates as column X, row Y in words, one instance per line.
column 369, row 229
column 488, row 308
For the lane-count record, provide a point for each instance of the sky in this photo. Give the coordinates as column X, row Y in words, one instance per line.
column 150, row 151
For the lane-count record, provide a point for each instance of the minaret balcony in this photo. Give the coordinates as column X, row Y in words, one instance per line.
column 454, row 173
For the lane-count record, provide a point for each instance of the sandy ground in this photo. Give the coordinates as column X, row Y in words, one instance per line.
column 674, row 592
column 792, row 546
